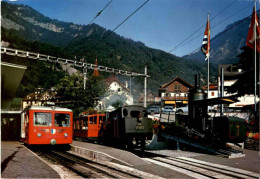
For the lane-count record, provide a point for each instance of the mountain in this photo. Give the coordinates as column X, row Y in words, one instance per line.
column 89, row 42
column 226, row 45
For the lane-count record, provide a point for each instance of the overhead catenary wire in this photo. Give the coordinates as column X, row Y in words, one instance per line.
column 98, row 14
column 180, row 44
column 221, row 34
column 199, row 35
column 121, row 23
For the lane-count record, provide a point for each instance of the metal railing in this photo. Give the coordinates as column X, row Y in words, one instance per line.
column 52, row 59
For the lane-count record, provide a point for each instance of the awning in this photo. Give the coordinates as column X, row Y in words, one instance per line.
column 169, row 102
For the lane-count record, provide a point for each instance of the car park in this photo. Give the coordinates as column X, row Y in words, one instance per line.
column 183, row 109
column 153, row 109
column 168, row 109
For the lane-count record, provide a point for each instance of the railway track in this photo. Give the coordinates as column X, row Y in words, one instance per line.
column 92, row 169
column 201, row 169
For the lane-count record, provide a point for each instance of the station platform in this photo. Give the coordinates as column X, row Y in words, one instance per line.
column 19, row 162
column 105, row 153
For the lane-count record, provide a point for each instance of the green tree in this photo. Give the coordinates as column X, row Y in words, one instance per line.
column 71, row 88
column 245, row 83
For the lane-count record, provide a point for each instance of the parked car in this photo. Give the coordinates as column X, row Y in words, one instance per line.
column 153, row 109
column 183, row 109
column 168, row 109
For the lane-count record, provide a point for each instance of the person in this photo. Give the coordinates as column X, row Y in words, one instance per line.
column 63, row 124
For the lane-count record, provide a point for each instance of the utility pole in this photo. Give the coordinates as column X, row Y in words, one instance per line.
column 222, row 91
column 145, row 83
column 85, row 70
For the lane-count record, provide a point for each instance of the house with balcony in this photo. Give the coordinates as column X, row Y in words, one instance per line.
column 175, row 92
column 151, row 99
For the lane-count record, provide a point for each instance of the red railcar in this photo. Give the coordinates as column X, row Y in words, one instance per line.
column 46, row 125
column 88, row 126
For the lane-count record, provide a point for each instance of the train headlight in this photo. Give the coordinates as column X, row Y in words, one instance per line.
column 39, row 134
column 53, row 141
column 65, row 134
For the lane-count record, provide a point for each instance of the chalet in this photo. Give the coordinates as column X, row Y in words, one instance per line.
column 117, row 92
column 151, row 98
column 175, row 92
column 38, row 98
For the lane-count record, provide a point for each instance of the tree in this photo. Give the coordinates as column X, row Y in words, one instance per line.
column 71, row 88
column 245, row 81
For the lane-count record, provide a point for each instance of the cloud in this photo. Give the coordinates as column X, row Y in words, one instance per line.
column 12, row 0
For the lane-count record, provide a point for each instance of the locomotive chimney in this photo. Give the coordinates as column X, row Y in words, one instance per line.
column 197, row 81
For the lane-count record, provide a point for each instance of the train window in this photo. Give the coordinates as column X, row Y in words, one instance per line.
column 42, row 119
column 85, row 125
column 102, row 119
column 91, row 120
column 77, row 122
column 80, row 125
column 135, row 113
column 95, row 120
column 62, row 120
column 125, row 112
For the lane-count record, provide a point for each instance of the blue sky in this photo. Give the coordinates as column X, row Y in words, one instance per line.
column 160, row 24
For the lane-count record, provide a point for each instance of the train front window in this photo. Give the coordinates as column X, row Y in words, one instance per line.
column 62, row 120
column 42, row 119
column 135, row 113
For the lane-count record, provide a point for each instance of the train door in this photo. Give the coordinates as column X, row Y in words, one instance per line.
column 101, row 119
column 93, row 126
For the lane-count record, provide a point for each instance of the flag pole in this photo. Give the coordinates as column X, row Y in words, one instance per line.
column 255, row 58
column 208, row 56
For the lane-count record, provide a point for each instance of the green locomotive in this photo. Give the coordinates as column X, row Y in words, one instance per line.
column 214, row 130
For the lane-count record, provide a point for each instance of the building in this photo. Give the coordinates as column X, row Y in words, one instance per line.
column 38, row 98
column 151, row 99
column 230, row 77
column 213, row 90
column 175, row 92
column 117, row 93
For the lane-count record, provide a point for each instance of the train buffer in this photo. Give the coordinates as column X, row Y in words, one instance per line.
column 225, row 152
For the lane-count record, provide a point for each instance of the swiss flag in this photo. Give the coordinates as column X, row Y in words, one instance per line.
column 250, row 41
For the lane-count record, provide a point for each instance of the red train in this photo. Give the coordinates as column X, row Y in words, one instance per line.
column 88, row 126
column 46, row 125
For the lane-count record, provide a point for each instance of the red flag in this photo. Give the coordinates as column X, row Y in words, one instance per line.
column 250, row 41
column 206, row 41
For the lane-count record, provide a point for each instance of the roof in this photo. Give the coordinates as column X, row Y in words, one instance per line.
column 49, row 108
column 11, row 76
column 115, row 79
column 176, row 79
column 212, row 86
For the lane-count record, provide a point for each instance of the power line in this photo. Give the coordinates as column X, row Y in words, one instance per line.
column 121, row 23
column 215, row 25
column 98, row 14
column 202, row 26
column 221, row 33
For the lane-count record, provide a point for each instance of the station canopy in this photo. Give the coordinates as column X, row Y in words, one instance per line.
column 11, row 76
